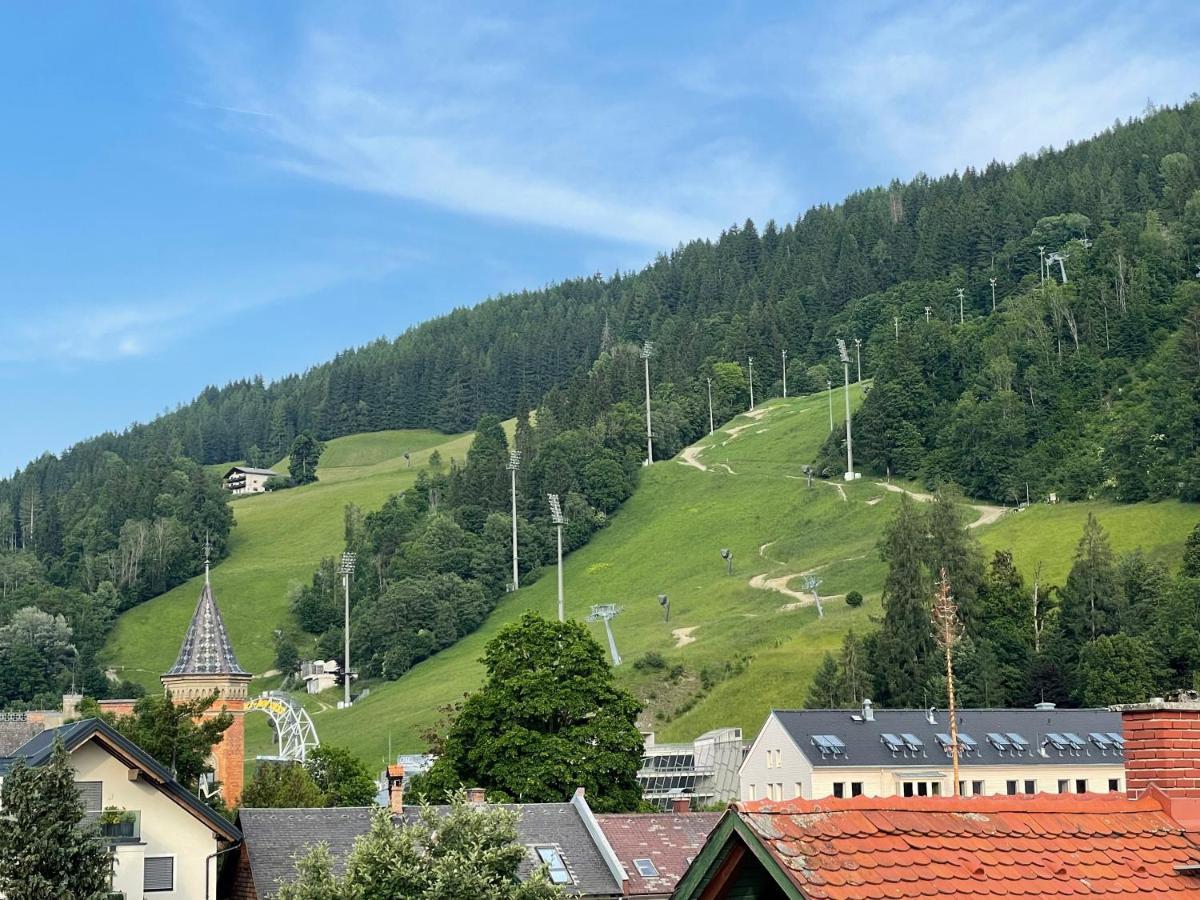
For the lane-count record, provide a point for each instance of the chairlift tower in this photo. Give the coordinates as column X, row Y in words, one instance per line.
column 1061, row 259
column 812, row 583
column 845, row 355
column 752, row 382
column 647, row 352
column 556, row 516
column 514, row 463
column 347, row 570
column 605, row 612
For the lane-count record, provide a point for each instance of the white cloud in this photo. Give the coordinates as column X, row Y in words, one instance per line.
column 492, row 118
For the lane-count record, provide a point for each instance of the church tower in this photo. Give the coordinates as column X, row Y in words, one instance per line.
column 206, row 663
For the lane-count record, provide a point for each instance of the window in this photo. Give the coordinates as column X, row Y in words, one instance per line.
column 770, row 759
column 1010, row 787
column 977, row 788
column 778, row 763
column 935, row 788
column 922, row 789
column 1114, row 784
column 554, row 862
column 799, row 790
column 1031, row 786
column 646, row 868
column 839, row 789
column 1064, row 785
column 779, row 791
column 158, row 873
column 1081, row 785
column 856, row 788
column 92, row 795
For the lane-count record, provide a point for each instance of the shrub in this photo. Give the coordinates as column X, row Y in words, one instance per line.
column 854, row 598
column 650, row 661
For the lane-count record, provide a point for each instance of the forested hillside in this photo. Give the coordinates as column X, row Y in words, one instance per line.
column 1082, row 379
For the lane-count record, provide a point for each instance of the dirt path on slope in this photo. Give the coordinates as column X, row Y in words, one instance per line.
column 683, row 636
column 691, row 457
column 987, row 513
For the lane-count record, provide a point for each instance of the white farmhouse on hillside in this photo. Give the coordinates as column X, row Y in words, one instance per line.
column 247, row 480
column 816, row 753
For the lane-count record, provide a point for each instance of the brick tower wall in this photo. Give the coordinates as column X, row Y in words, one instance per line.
column 230, row 754
column 1162, row 748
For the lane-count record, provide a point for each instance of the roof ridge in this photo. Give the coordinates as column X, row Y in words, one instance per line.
column 1082, row 804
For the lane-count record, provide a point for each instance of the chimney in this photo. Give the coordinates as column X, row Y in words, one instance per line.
column 395, row 789
column 476, row 796
column 681, row 804
column 1162, row 746
column 931, row 716
column 868, row 714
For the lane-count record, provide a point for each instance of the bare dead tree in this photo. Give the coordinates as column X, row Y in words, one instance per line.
column 948, row 631
column 1039, row 614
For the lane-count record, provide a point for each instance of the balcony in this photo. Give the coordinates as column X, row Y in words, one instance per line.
column 120, row 826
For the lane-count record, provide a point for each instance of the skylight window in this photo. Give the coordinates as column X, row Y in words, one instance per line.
column 1019, row 743
column 829, row 743
column 912, row 742
column 892, row 742
column 1101, row 740
column 967, row 742
column 554, row 863
column 1116, row 738
column 646, row 868
column 999, row 741
column 1074, row 740
column 1056, row 740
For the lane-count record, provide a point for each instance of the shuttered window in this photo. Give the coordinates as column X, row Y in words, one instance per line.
column 159, row 873
column 92, row 795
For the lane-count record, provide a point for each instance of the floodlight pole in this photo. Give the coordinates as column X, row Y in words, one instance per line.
column 829, row 387
column 858, row 356
column 647, row 350
column 556, row 515
column 961, row 293
column 1042, row 263
column 928, row 310
column 347, row 572
column 896, row 322
column 849, row 443
column 785, row 374
column 752, row 382
column 514, row 463
column 992, row 281
column 711, row 427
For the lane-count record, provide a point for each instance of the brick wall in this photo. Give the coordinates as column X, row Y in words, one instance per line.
column 230, row 754
column 241, row 886
column 1162, row 748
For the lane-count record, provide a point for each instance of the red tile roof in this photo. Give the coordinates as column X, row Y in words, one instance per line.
column 669, row 840
column 978, row 847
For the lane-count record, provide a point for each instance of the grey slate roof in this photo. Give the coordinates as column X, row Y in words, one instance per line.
column 206, row 648
column 275, row 838
column 864, row 746
column 37, row 751
column 250, row 470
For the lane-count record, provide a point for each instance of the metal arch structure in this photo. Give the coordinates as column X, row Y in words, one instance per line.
column 295, row 733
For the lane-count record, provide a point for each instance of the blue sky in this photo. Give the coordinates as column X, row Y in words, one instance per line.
column 193, row 193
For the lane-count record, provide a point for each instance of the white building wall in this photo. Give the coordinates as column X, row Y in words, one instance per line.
column 775, row 769
column 167, row 829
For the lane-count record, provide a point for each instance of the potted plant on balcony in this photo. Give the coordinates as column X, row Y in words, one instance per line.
column 117, row 823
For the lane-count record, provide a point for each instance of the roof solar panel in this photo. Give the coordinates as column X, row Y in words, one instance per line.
column 892, row 742
column 1019, row 742
column 1117, row 739
column 1059, row 742
column 1074, row 740
column 913, row 742
column 965, row 740
column 1100, row 740
column 999, row 741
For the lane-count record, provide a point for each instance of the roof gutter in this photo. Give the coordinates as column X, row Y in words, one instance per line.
column 597, row 834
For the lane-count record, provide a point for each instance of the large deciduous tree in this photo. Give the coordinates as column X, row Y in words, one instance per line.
column 303, row 458
column 547, row 720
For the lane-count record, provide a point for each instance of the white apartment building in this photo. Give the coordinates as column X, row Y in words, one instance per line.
column 248, row 480
column 816, row 753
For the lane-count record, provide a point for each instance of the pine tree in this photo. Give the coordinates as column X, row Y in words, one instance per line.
column 825, row 693
column 1093, row 598
column 46, row 853
column 905, row 642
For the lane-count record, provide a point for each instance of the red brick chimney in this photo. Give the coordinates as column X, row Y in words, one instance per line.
column 681, row 804
column 1162, row 747
column 395, row 789
column 476, row 796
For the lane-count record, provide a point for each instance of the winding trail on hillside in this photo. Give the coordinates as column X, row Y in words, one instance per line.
column 988, row 514
column 691, row 457
column 683, row 636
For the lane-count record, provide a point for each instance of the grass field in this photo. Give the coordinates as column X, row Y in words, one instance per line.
column 278, row 541
column 750, row 497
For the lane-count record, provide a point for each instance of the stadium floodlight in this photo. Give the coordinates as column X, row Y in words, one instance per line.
column 665, row 603
column 727, row 555
column 605, row 612
column 785, row 373
column 858, row 356
column 514, row 463
column 711, row 427
column 928, row 310
column 752, row 382
column 1042, row 262
column 961, row 293
column 647, row 352
column 347, row 570
column 829, row 388
column 841, row 344
column 896, row 322
column 992, row 282
column 556, row 516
